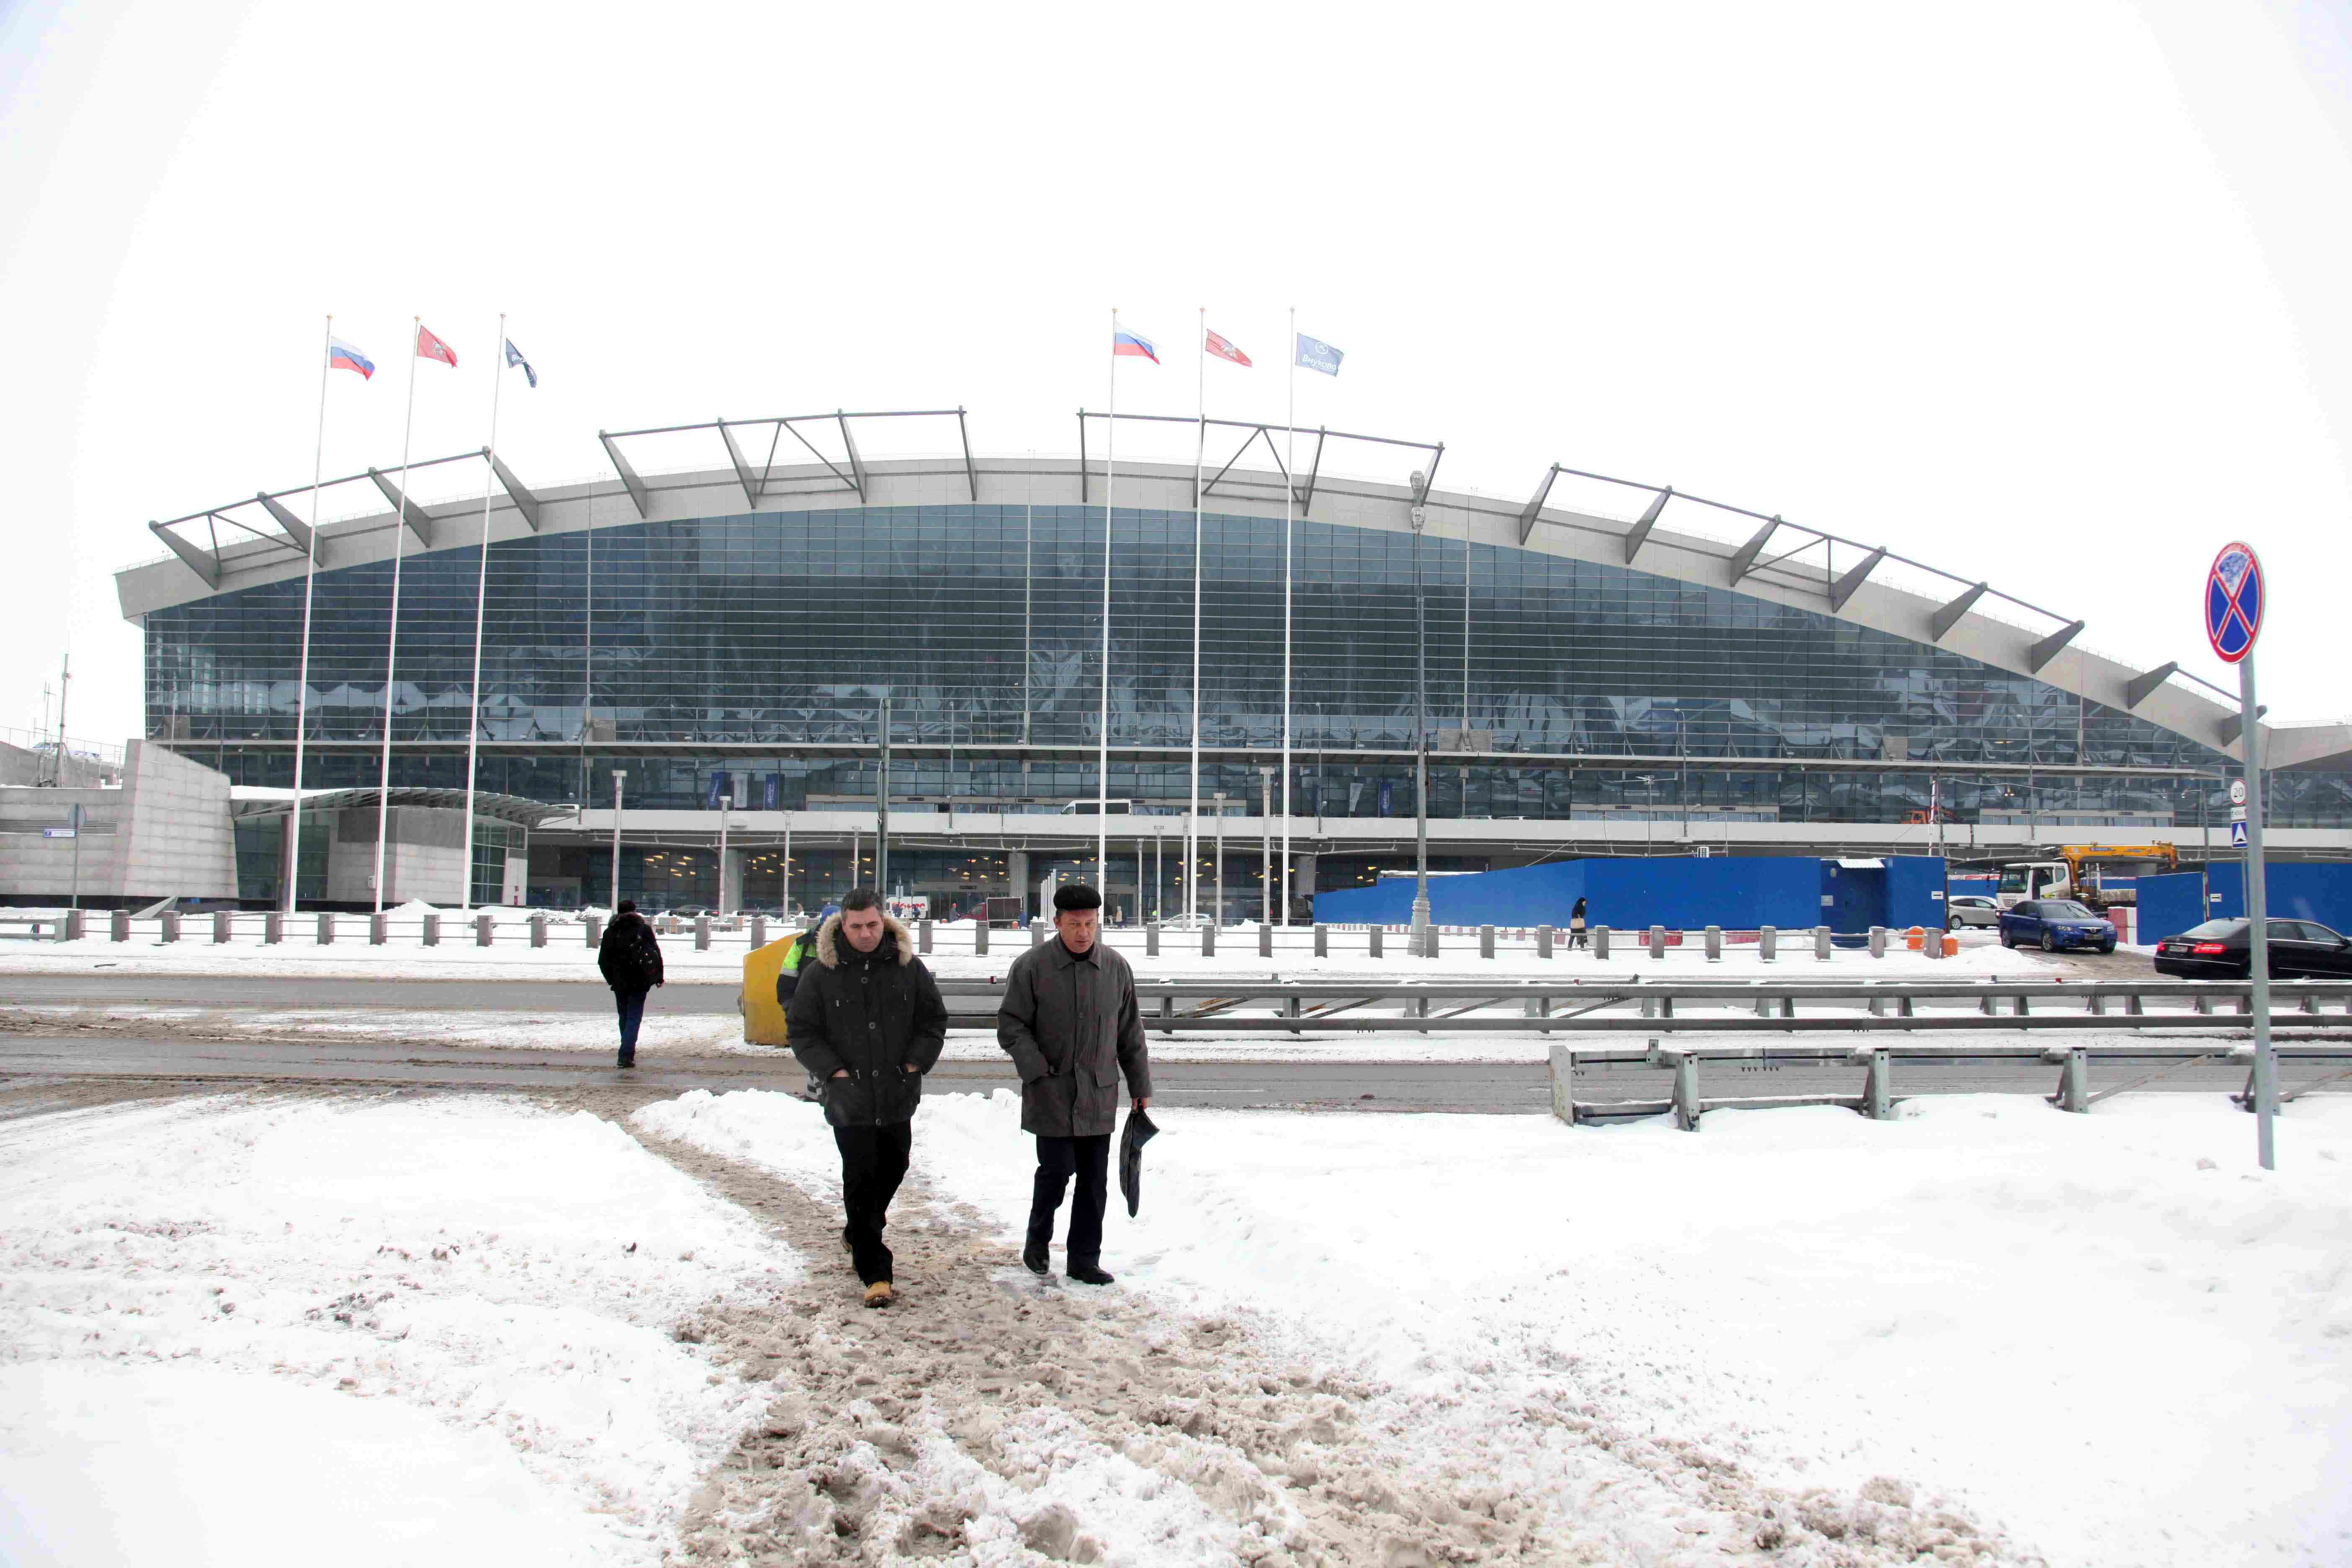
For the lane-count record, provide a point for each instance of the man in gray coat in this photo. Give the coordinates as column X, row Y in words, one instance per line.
column 1070, row 1023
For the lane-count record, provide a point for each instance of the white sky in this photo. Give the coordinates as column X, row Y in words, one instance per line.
column 2052, row 293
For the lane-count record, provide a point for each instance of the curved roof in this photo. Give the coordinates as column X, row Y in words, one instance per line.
column 263, row 800
column 1651, row 529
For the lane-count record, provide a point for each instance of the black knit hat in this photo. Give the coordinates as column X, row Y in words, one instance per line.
column 1076, row 896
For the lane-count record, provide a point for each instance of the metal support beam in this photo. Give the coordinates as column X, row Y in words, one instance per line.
column 419, row 520
column 2143, row 685
column 1315, row 469
column 857, row 464
column 1744, row 558
column 296, row 529
column 636, row 486
column 517, row 493
column 204, row 563
column 1950, row 615
column 742, row 470
column 2048, row 648
column 2234, row 725
column 1640, row 533
column 970, row 469
column 1842, row 589
column 1535, row 507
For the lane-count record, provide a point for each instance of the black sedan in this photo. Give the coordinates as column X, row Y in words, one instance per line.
column 2056, row 924
column 2298, row 949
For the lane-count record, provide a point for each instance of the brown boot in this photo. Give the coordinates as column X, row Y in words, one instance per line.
column 878, row 1293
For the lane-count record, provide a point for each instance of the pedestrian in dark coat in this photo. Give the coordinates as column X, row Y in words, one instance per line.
column 631, row 962
column 1070, row 1023
column 1577, row 935
column 866, row 1021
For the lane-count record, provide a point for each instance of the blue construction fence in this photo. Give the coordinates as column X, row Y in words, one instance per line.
column 2292, row 890
column 1737, row 893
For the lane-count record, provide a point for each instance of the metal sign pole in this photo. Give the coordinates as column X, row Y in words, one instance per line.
column 2258, row 923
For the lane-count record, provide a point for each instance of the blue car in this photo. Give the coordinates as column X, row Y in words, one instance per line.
column 2055, row 924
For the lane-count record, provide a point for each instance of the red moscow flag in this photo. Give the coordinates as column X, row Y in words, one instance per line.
column 430, row 347
column 1223, row 350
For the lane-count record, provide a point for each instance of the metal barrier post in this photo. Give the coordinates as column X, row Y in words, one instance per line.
column 980, row 936
column 76, row 926
column 433, row 929
column 1686, row 1092
column 273, row 928
column 1715, row 944
column 118, row 927
column 1485, row 941
column 1821, row 943
column 2075, row 1081
column 170, row 924
column 1209, row 940
column 1151, row 939
column 701, row 933
column 1876, row 1087
column 1376, row 933
column 326, row 930
column 1265, row 939
column 1768, row 942
column 1037, row 933
column 379, row 930
column 594, row 926
column 1322, row 941
column 760, row 933
column 538, row 931
column 485, row 927
column 1599, row 942
column 1563, row 1084
column 220, row 927
column 1543, row 942
column 1878, row 942
column 1429, row 941
column 1657, row 942
column 923, row 936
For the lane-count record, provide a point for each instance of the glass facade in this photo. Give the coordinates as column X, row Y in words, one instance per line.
column 983, row 625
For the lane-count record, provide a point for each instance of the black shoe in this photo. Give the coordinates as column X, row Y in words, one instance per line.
column 628, row 1059
column 846, row 1244
column 1089, row 1274
column 1035, row 1263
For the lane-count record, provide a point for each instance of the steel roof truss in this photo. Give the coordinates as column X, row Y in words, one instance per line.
column 1640, row 533
column 1844, row 588
column 742, row 470
column 831, row 467
column 1534, row 507
column 419, row 520
column 1950, row 615
column 2143, row 685
column 856, row 465
column 1743, row 560
column 296, row 529
column 629, row 479
column 204, row 567
column 525, row 501
column 971, row 468
column 2049, row 648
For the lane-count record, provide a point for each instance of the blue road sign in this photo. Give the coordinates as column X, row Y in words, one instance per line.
column 2234, row 602
column 2237, row 835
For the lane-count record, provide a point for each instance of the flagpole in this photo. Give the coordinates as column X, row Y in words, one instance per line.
column 481, row 595
column 1289, row 495
column 392, row 638
column 309, row 580
column 1102, row 764
column 1192, row 809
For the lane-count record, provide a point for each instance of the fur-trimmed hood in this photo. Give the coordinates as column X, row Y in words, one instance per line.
column 828, row 955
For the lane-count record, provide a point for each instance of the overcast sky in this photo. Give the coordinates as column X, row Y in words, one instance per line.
column 2052, row 293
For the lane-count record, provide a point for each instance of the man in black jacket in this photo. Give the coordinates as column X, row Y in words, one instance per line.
column 631, row 962
column 867, row 1022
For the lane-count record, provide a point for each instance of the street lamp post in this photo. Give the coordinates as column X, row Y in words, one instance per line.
column 1266, row 844
column 618, row 774
column 1219, row 796
column 1420, row 942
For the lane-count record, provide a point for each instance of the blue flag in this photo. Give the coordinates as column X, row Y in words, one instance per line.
column 1314, row 354
column 514, row 356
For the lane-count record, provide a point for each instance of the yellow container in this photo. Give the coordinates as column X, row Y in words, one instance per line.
column 763, row 1020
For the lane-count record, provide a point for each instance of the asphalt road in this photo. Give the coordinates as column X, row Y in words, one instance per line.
column 1486, row 1087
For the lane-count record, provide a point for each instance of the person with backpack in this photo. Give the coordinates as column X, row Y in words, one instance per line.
column 631, row 962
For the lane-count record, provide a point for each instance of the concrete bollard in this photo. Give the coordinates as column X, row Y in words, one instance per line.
column 980, row 936
column 486, row 929
column 326, row 930
column 1657, row 942
column 170, row 924
column 1429, row 941
column 1376, row 933
column 273, row 928
column 1037, row 933
column 118, row 926
column 1768, row 942
column 1543, row 942
column 221, row 928
column 1209, row 941
column 1151, row 939
column 1265, row 939
column 539, row 929
column 1600, row 935
column 1485, row 941
column 77, row 925
column 923, row 936
column 701, row 935
column 1878, row 942
column 379, row 930
column 594, row 926
column 1935, row 944
column 1715, row 944
column 1822, row 941
column 433, row 929
column 1322, row 941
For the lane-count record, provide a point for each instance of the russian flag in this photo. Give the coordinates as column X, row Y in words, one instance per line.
column 1125, row 342
column 341, row 355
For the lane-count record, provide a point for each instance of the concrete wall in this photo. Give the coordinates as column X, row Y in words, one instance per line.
column 424, row 857
column 165, row 833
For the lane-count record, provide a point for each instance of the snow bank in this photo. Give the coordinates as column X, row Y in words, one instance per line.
column 2109, row 1333
column 358, row 1275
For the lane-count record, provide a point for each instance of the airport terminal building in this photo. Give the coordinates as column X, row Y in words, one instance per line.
column 1598, row 667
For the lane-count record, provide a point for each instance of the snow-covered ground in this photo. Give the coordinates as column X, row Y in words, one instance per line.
column 371, row 1330
column 567, row 956
column 2109, row 1335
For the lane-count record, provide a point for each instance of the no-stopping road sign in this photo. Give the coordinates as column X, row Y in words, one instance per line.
column 2234, row 602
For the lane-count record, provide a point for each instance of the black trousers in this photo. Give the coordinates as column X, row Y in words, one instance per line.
column 631, row 1005
column 1058, row 1159
column 873, row 1164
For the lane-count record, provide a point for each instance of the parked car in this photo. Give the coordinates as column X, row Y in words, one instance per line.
column 2220, row 950
column 1971, row 910
column 2054, row 924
